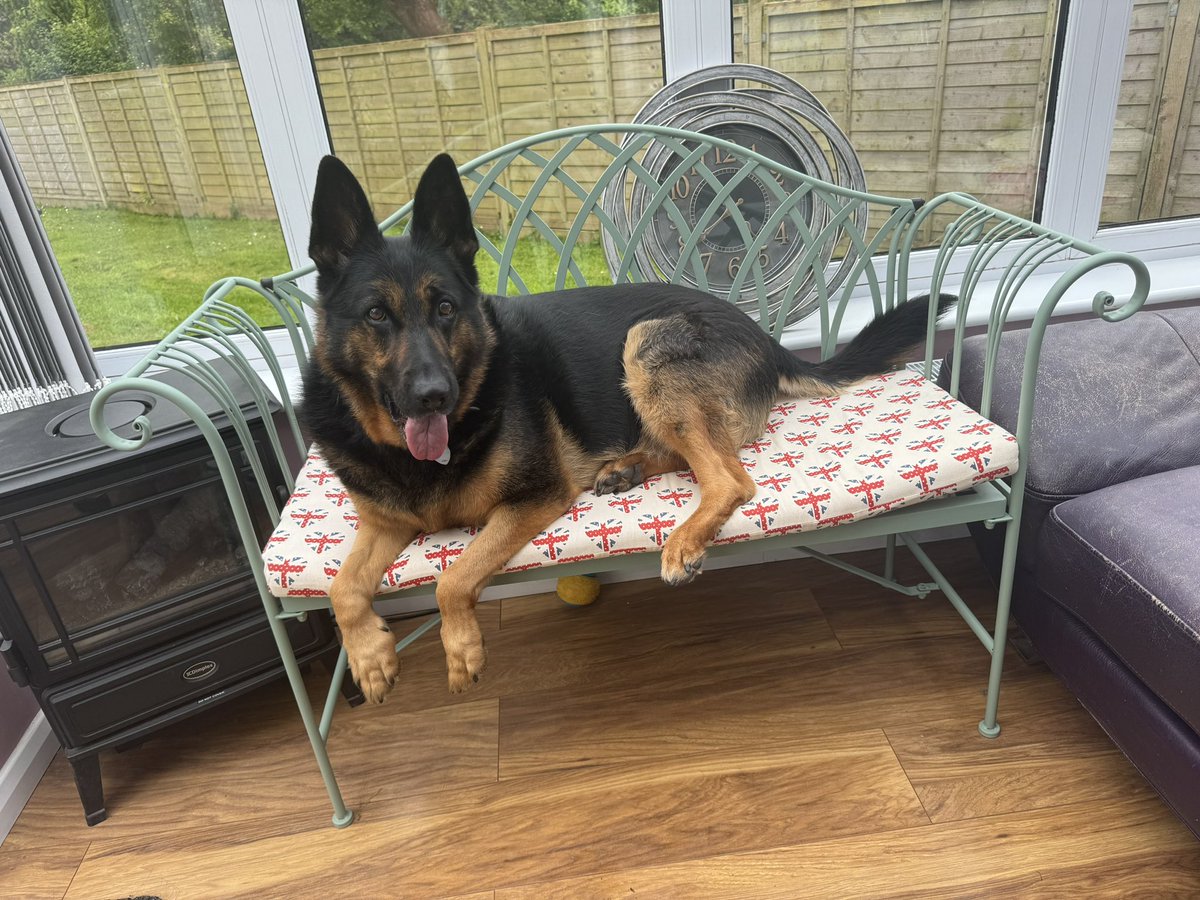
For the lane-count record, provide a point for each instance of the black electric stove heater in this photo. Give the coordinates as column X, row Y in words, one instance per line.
column 126, row 599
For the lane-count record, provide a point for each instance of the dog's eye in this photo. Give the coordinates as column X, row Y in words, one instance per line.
column 446, row 308
column 376, row 314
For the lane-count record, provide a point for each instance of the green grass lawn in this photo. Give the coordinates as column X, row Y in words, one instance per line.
column 134, row 277
column 537, row 262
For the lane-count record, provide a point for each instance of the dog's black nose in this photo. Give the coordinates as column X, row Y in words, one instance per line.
column 431, row 393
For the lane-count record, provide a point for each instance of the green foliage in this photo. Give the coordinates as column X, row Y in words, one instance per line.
column 469, row 15
column 51, row 38
column 44, row 39
column 342, row 23
column 466, row 15
column 175, row 32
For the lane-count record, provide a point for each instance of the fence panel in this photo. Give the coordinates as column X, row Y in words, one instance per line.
column 935, row 95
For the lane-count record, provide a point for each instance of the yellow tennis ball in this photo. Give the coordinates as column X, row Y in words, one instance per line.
column 578, row 590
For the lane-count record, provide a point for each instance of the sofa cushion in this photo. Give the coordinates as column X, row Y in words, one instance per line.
column 1124, row 561
column 887, row 442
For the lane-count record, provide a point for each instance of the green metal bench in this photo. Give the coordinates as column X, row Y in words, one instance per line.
column 849, row 254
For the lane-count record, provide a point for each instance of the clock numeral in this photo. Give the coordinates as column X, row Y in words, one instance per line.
column 781, row 236
column 722, row 156
column 735, row 263
column 705, row 258
column 681, row 188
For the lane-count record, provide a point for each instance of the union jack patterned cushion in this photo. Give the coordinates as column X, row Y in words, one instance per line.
column 887, row 442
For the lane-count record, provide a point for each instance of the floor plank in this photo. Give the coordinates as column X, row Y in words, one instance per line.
column 1044, row 754
column 543, row 643
column 1148, row 876
column 862, row 615
column 948, row 860
column 735, row 704
column 779, row 731
column 241, row 771
column 42, row 873
column 621, row 815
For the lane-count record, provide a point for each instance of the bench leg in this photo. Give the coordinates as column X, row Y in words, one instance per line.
column 341, row 815
column 889, row 558
column 990, row 727
column 349, row 690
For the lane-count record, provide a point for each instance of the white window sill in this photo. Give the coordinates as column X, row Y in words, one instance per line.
column 1172, row 279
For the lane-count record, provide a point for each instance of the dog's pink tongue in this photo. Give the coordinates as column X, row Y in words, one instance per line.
column 427, row 436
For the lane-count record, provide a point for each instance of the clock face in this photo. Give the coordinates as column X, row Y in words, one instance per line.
column 815, row 211
column 722, row 246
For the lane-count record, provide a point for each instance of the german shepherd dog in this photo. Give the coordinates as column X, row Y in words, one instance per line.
column 439, row 406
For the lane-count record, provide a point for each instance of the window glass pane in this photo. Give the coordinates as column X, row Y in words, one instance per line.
column 131, row 125
column 934, row 95
column 467, row 77
column 1154, row 166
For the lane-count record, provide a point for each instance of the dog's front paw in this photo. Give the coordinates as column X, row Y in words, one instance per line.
column 682, row 558
column 466, row 657
column 371, row 652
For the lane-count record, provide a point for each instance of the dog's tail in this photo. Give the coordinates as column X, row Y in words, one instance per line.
column 880, row 347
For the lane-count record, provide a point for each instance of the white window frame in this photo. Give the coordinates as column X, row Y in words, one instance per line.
column 272, row 52
column 695, row 34
column 1077, row 166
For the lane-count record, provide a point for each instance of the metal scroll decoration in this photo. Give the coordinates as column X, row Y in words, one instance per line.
column 773, row 115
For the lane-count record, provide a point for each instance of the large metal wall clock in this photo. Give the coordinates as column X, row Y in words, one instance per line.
column 769, row 114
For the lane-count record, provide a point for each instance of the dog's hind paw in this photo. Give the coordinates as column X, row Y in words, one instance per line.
column 615, row 481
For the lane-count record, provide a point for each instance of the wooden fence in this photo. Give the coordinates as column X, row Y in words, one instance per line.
column 392, row 107
column 1154, row 168
column 935, row 95
column 177, row 141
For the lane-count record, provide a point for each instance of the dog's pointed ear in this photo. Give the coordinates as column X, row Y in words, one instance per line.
column 441, row 214
column 342, row 221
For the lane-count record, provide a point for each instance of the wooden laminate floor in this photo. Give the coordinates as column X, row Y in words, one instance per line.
column 786, row 731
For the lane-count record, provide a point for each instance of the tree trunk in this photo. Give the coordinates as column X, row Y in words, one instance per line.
column 420, row 18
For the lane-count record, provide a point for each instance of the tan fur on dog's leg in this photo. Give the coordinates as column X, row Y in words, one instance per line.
column 724, row 486
column 508, row 529
column 369, row 642
column 701, row 413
